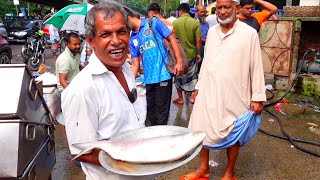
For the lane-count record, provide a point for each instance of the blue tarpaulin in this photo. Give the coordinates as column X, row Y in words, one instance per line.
column 245, row 127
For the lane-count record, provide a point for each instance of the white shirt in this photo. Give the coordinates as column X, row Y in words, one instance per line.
column 96, row 107
column 54, row 34
column 171, row 19
column 84, row 57
column 212, row 20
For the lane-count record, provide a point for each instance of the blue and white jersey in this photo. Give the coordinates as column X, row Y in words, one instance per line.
column 143, row 43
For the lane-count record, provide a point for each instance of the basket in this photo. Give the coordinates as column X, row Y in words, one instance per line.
column 301, row 11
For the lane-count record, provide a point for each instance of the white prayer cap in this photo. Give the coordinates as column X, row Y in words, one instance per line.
column 237, row 1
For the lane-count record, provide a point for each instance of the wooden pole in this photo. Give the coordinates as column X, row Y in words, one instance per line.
column 165, row 7
column 17, row 10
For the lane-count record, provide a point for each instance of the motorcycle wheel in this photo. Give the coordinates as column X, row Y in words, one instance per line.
column 34, row 64
column 5, row 58
column 24, row 53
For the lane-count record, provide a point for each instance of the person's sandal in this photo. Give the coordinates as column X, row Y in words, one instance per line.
column 192, row 176
column 234, row 178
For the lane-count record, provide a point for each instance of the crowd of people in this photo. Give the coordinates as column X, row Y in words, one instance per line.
column 225, row 77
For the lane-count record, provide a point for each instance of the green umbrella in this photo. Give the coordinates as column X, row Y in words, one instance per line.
column 70, row 17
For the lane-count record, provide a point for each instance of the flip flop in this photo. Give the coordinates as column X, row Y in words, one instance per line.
column 234, row 178
column 192, row 176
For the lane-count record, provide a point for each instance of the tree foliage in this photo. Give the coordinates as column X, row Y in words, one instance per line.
column 141, row 5
column 7, row 6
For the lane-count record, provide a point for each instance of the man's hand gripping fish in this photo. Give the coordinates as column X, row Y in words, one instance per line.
column 151, row 150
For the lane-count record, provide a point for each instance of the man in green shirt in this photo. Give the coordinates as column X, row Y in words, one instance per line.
column 188, row 31
column 68, row 63
column 67, row 67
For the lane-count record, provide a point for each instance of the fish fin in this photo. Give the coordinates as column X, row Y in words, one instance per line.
column 88, row 147
column 82, row 146
column 85, row 151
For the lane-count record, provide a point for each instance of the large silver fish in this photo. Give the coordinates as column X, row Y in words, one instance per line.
column 158, row 149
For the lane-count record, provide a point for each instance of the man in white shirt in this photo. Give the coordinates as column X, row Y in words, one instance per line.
column 172, row 17
column 54, row 39
column 212, row 18
column 101, row 101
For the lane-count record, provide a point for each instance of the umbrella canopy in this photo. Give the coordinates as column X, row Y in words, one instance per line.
column 70, row 17
column 210, row 6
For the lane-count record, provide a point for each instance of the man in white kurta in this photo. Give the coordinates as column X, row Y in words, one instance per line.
column 231, row 82
column 230, row 78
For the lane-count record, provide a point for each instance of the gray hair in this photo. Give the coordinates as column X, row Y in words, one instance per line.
column 109, row 10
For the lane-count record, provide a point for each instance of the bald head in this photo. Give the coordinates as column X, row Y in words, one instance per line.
column 201, row 10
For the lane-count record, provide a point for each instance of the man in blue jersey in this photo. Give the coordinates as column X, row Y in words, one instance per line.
column 156, row 77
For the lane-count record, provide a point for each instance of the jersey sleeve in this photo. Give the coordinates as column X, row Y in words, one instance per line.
column 134, row 47
column 161, row 28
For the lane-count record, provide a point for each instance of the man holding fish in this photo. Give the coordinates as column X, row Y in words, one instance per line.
column 101, row 101
column 231, row 89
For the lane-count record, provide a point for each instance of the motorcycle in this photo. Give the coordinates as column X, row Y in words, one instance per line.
column 33, row 51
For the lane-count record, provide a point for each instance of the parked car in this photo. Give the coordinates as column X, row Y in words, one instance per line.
column 2, row 23
column 21, row 29
column 5, row 49
column 8, row 20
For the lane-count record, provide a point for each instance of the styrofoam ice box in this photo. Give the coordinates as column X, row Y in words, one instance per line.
column 309, row 2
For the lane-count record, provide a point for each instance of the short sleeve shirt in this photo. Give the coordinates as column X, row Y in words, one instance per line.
column 67, row 63
column 96, row 107
column 54, row 35
column 187, row 29
column 204, row 29
column 143, row 43
column 261, row 16
column 253, row 22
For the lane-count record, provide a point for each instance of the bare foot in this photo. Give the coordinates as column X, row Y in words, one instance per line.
column 193, row 97
column 178, row 101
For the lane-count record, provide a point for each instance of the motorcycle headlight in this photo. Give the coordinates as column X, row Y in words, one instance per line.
column 22, row 33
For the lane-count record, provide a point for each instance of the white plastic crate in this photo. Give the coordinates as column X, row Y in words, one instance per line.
column 309, row 2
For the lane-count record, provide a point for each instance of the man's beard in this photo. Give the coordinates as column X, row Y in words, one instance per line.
column 228, row 20
column 75, row 51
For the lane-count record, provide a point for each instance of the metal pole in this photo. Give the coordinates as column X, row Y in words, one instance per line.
column 17, row 10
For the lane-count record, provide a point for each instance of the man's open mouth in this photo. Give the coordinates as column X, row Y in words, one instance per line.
column 118, row 53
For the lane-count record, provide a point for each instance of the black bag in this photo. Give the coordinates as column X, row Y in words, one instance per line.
column 172, row 58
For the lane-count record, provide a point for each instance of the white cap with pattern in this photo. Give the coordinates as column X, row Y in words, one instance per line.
column 237, row 1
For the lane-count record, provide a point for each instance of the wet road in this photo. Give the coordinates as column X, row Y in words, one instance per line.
column 263, row 157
